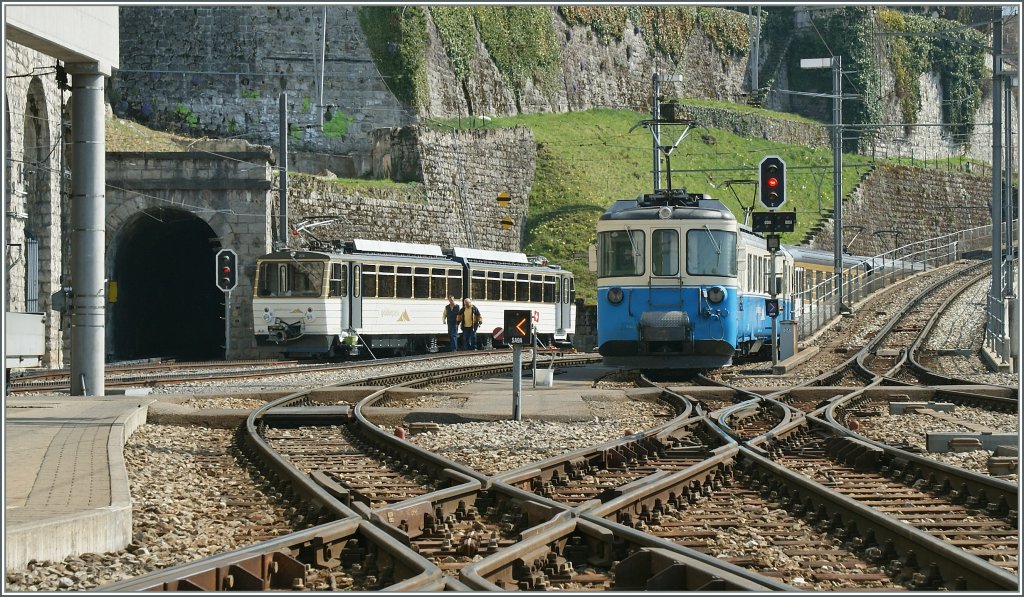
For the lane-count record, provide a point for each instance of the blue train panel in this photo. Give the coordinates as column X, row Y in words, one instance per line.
column 668, row 327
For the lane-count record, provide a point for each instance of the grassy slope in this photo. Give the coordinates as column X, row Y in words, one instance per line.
column 587, row 160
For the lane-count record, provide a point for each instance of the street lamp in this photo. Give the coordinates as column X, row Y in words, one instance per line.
column 835, row 63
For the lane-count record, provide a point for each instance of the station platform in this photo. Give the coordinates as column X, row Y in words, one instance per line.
column 65, row 484
column 567, row 398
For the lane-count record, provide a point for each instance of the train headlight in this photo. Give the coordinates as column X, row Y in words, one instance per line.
column 268, row 315
column 615, row 295
column 716, row 294
column 309, row 314
column 665, row 212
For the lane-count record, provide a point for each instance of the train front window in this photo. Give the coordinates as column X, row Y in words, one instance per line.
column 665, row 252
column 621, row 253
column 711, row 252
column 291, row 278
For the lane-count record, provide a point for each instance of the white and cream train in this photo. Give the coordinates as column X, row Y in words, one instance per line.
column 388, row 297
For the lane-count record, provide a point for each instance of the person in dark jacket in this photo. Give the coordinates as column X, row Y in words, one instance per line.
column 470, row 318
column 451, row 317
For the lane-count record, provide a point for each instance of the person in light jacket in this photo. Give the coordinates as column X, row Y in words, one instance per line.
column 470, row 318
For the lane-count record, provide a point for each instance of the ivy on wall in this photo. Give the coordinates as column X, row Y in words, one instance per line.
column 955, row 52
column 666, row 28
column 522, row 42
column 397, row 38
column 457, row 28
column 850, row 32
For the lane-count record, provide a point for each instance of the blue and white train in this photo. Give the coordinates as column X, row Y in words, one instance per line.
column 682, row 285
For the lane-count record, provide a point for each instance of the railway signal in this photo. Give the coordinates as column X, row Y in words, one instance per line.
column 227, row 270
column 771, row 307
column 517, row 325
column 772, row 182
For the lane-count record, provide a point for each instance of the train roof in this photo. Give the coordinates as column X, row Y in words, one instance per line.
column 634, row 209
column 386, row 247
column 490, row 256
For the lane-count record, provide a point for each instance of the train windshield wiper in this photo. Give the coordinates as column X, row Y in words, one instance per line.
column 632, row 243
column 718, row 250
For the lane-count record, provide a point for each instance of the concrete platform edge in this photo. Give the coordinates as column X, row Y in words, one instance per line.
column 993, row 361
column 94, row 531
column 795, row 360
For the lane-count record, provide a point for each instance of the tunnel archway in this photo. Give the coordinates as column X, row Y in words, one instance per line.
column 167, row 303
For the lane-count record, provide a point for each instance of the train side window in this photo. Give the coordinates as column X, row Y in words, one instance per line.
column 508, row 286
column 493, row 286
column 572, row 291
column 620, row 253
column 357, row 280
column 536, row 288
column 549, row 289
column 421, row 282
column 455, row 283
column 337, row 285
column 370, row 281
column 478, row 285
column 522, row 287
column 403, row 283
column 438, row 283
column 665, row 252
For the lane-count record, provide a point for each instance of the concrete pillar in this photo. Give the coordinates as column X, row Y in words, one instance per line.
column 88, row 250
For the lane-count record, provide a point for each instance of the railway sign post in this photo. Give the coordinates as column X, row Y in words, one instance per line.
column 227, row 279
column 518, row 324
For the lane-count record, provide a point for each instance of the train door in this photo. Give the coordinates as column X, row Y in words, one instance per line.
column 340, row 289
column 357, row 287
column 563, row 313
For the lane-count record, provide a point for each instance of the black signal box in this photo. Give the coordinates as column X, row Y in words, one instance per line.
column 517, row 325
column 771, row 307
column 774, row 221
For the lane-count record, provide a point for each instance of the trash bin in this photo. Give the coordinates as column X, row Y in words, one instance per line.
column 545, row 378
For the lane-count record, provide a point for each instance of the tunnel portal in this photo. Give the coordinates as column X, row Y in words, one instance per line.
column 167, row 303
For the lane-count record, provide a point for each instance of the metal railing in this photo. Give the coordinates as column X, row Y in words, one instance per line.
column 818, row 304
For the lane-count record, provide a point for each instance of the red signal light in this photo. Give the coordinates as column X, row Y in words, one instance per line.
column 226, row 270
column 773, row 182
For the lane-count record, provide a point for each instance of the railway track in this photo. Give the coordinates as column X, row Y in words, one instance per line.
column 731, row 510
column 887, row 353
column 974, row 513
column 653, row 510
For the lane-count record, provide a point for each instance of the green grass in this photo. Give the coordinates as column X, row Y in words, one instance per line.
column 587, row 160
